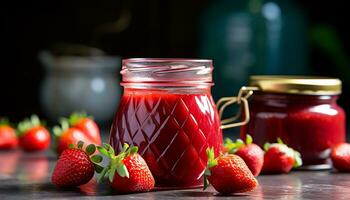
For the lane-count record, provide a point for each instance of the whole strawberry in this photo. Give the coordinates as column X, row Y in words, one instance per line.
column 340, row 156
column 228, row 174
column 251, row 153
column 8, row 138
column 65, row 135
column 33, row 135
column 127, row 171
column 75, row 166
column 87, row 125
column 279, row 158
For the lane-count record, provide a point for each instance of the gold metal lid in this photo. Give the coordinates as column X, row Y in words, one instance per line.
column 309, row 85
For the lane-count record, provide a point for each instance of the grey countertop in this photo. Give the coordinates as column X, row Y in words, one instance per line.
column 27, row 176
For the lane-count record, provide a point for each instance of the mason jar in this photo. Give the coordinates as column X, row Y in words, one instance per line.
column 302, row 111
column 168, row 112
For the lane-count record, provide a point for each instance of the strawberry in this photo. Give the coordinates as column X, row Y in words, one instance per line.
column 228, row 174
column 33, row 136
column 340, row 156
column 251, row 153
column 75, row 166
column 127, row 171
column 87, row 125
column 8, row 138
column 65, row 135
column 279, row 158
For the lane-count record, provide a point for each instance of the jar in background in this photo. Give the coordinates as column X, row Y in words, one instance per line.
column 168, row 112
column 302, row 111
column 80, row 83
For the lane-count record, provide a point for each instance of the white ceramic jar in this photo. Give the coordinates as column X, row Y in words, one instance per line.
column 80, row 83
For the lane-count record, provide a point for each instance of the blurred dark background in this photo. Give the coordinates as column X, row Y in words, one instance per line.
column 266, row 37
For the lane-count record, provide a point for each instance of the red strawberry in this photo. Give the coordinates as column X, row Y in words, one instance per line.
column 340, row 156
column 251, row 153
column 65, row 135
column 279, row 158
column 87, row 125
column 75, row 167
column 228, row 174
column 127, row 171
column 8, row 138
column 33, row 136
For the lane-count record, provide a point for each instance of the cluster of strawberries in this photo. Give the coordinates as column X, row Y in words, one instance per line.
column 236, row 169
column 32, row 135
column 233, row 171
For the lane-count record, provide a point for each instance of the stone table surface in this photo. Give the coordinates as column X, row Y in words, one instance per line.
column 27, row 176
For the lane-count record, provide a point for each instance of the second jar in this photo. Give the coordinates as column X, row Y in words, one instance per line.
column 302, row 111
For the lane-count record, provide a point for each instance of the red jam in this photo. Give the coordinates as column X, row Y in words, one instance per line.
column 311, row 124
column 172, row 132
column 168, row 112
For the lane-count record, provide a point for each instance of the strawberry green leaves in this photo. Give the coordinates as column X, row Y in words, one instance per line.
column 76, row 116
column 58, row 130
column 211, row 158
column 232, row 147
column 28, row 123
column 267, row 146
column 4, row 121
column 249, row 139
column 211, row 163
column 115, row 164
column 298, row 162
column 90, row 150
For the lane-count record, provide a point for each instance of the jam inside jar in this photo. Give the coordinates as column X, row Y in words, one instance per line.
column 168, row 112
column 302, row 111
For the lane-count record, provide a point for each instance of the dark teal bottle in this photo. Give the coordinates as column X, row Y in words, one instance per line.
column 246, row 37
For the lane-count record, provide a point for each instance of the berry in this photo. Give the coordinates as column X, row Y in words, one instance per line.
column 8, row 138
column 340, row 156
column 279, row 158
column 33, row 136
column 75, row 167
column 228, row 174
column 127, row 171
column 251, row 153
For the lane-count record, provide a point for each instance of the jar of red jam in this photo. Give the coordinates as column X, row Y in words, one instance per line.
column 168, row 112
column 302, row 111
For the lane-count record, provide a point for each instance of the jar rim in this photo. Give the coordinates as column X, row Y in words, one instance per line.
column 157, row 72
column 127, row 60
column 307, row 85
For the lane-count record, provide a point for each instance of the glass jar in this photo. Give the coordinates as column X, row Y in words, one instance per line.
column 168, row 112
column 302, row 111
